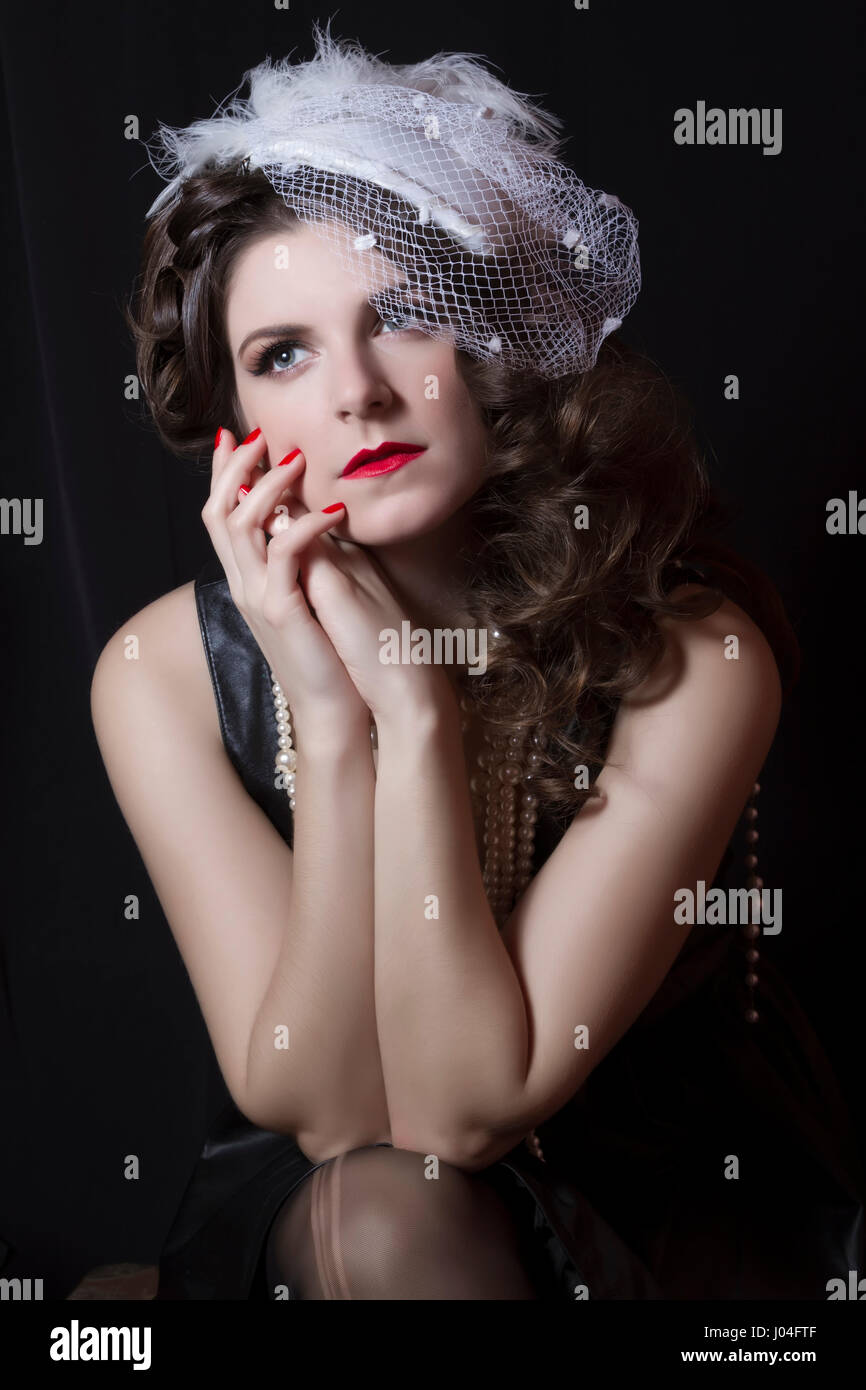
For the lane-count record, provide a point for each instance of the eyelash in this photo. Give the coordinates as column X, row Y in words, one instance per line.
column 264, row 355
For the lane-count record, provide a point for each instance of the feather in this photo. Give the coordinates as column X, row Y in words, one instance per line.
column 284, row 94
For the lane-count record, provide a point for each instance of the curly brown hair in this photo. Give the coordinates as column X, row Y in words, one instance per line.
column 576, row 610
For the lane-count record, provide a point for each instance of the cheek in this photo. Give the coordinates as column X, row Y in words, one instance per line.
column 443, row 390
column 249, row 402
column 459, row 412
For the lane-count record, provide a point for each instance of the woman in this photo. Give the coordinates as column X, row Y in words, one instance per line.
column 429, row 770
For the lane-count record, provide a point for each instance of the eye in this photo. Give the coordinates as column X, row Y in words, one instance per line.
column 263, row 359
column 279, row 359
column 403, row 321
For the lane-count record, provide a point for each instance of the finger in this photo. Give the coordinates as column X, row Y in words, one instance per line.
column 224, row 446
column 286, row 548
column 284, row 513
column 267, row 491
column 237, row 466
column 237, row 549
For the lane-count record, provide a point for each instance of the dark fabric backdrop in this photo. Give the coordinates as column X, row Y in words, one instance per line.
column 752, row 265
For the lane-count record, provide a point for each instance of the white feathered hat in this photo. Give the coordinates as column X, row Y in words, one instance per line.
column 449, row 174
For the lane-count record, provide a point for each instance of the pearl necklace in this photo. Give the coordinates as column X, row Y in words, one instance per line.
column 509, row 815
column 502, row 793
column 286, row 759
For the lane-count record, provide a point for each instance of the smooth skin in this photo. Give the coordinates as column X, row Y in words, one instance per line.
column 441, row 1035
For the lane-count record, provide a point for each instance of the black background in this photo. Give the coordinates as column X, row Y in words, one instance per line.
column 752, row 265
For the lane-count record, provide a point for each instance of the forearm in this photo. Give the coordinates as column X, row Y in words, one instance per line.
column 314, row 1067
column 450, row 1010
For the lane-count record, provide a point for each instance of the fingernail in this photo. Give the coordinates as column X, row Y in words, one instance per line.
column 243, row 489
column 250, row 437
column 334, row 507
column 282, row 463
column 219, row 435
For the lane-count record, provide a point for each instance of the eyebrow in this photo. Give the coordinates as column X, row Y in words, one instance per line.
column 287, row 330
column 281, row 329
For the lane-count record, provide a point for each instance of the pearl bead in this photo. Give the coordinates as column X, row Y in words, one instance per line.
column 502, row 788
column 752, row 1016
column 752, row 955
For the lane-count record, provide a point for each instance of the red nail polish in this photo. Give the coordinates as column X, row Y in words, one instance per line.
column 219, row 435
column 334, row 507
column 250, row 437
column 243, row 489
column 282, row 463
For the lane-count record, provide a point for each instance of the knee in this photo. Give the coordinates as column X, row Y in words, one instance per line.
column 379, row 1222
column 396, row 1200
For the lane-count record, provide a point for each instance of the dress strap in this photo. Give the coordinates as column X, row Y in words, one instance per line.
column 242, row 690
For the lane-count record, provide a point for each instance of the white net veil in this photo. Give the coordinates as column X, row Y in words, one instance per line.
column 452, row 177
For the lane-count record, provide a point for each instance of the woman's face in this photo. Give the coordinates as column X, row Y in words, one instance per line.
column 349, row 380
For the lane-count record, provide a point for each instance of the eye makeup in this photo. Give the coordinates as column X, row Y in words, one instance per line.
column 264, row 355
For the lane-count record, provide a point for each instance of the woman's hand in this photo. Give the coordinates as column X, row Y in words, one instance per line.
column 354, row 602
column 263, row 578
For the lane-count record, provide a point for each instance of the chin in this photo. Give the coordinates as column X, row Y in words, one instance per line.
column 390, row 521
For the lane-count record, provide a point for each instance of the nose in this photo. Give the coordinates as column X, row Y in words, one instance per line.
column 359, row 385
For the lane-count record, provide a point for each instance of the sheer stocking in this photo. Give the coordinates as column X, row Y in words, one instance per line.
column 369, row 1224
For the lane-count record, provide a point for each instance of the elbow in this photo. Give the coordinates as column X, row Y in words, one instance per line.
column 265, row 1119
column 317, row 1141
column 318, row 1150
column 316, row 1146
column 468, row 1152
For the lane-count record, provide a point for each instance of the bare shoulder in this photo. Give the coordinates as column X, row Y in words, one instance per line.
column 715, row 692
column 702, row 649
column 158, row 650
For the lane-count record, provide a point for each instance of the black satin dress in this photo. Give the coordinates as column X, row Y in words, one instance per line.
column 630, row 1199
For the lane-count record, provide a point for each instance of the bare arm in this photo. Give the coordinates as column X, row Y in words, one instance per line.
column 321, row 987
column 267, row 937
column 478, row 1031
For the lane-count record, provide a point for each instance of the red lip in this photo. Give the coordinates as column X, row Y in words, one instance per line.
column 383, row 451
